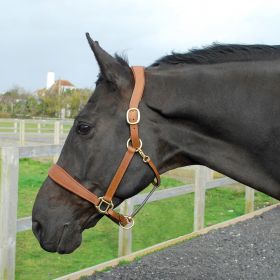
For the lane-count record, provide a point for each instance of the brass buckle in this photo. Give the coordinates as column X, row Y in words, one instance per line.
column 105, row 210
column 130, row 225
column 138, row 115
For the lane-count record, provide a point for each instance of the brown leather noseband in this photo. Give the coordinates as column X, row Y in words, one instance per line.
column 105, row 204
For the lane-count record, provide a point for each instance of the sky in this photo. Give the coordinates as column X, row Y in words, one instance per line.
column 38, row 36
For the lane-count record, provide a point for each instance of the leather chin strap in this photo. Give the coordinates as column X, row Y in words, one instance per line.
column 104, row 204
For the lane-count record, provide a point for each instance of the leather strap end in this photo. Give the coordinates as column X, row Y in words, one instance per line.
column 156, row 181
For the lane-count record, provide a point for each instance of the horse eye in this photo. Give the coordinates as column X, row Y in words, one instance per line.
column 83, row 128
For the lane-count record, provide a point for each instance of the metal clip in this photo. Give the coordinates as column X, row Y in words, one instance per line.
column 143, row 155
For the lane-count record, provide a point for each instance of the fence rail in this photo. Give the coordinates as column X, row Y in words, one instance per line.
column 10, row 225
column 23, row 131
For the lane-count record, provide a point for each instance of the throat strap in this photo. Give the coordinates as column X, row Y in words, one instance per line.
column 134, row 145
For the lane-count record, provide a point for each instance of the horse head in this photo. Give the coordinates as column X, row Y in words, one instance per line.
column 91, row 154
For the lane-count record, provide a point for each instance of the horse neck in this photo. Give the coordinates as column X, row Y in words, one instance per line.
column 203, row 117
column 187, row 101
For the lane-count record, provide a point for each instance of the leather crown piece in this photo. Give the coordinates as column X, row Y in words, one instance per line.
column 104, row 204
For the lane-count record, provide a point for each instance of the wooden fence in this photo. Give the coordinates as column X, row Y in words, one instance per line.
column 10, row 225
column 36, row 127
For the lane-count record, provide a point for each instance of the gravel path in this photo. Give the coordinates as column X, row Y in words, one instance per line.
column 247, row 250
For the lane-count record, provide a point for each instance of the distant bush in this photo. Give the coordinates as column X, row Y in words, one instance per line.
column 5, row 115
column 18, row 103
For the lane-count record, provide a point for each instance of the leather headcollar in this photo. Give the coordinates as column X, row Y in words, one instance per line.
column 104, row 204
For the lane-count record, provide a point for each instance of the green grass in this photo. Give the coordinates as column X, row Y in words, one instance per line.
column 31, row 176
column 98, row 245
column 157, row 222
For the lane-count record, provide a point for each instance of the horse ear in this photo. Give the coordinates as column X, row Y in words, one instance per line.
column 111, row 69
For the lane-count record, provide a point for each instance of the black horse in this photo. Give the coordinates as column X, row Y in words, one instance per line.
column 218, row 106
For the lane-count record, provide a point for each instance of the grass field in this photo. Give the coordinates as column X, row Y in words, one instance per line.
column 159, row 221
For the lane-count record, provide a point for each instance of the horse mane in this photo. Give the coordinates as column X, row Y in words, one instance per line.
column 215, row 53
column 219, row 53
column 122, row 59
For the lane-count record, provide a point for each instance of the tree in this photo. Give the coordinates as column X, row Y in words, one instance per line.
column 70, row 100
column 14, row 101
column 78, row 100
column 17, row 102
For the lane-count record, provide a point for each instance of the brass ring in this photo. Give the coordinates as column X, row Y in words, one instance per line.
column 131, row 222
column 129, row 140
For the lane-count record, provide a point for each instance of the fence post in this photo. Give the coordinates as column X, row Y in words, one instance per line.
column 39, row 127
column 9, row 167
column 21, row 132
column 249, row 199
column 15, row 126
column 56, row 137
column 201, row 177
column 125, row 235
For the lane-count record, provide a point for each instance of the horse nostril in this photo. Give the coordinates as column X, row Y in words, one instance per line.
column 36, row 228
